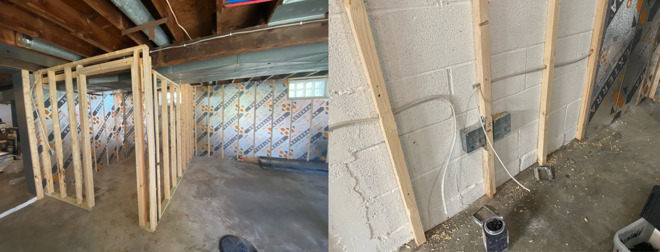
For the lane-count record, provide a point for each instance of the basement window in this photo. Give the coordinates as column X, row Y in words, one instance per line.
column 308, row 88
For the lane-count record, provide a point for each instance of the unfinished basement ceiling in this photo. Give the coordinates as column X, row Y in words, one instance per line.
column 93, row 27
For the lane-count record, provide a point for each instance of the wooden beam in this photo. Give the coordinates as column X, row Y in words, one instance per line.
column 552, row 19
column 70, row 19
column 164, row 11
column 219, row 8
column 21, row 21
column 57, row 132
column 482, row 52
column 7, row 36
column 308, row 33
column 85, row 132
column 14, row 63
column 117, row 18
column 359, row 22
column 592, row 65
column 73, row 129
column 32, row 133
column 149, row 25
column 139, row 142
column 43, row 127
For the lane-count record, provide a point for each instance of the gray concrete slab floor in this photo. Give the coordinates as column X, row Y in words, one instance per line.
column 600, row 186
column 274, row 210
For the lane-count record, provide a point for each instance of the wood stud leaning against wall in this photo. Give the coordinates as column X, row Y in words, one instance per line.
column 552, row 19
column 359, row 22
column 150, row 205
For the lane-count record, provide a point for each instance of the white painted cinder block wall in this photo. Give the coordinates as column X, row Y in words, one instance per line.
column 426, row 47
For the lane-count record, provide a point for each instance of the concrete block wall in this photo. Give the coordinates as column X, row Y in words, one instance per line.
column 426, row 48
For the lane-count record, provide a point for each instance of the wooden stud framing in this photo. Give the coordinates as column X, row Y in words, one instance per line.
column 546, row 86
column 85, row 135
column 482, row 52
column 592, row 65
column 139, row 143
column 179, row 133
column 151, row 146
column 45, row 146
column 166, row 139
column 173, row 138
column 75, row 143
column 359, row 22
column 57, row 132
column 159, row 192
column 176, row 133
column 32, row 133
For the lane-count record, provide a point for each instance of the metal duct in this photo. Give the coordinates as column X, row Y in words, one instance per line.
column 45, row 47
column 139, row 14
column 298, row 10
column 286, row 60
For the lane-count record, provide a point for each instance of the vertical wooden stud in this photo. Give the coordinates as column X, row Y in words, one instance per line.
column 45, row 145
column 85, row 135
column 32, row 132
column 546, row 86
column 57, row 132
column 592, row 64
column 139, row 134
column 178, row 133
column 73, row 126
column 482, row 52
column 151, row 142
column 166, row 138
column 159, row 191
column 173, row 139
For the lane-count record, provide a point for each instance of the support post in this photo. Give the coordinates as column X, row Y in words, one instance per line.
column 173, row 139
column 357, row 16
column 552, row 19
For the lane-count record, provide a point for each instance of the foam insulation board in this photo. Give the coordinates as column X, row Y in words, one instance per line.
column 300, row 125
column 263, row 118
column 202, row 112
column 318, row 149
column 246, row 119
column 628, row 42
column 281, row 120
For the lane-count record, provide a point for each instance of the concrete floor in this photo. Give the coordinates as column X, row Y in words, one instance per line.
column 600, row 186
column 274, row 210
column 12, row 195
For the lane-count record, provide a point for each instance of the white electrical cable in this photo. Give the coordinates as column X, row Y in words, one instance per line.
column 177, row 20
column 498, row 156
column 444, row 172
column 239, row 32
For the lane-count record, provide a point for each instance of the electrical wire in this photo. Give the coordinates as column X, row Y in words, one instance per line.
column 177, row 20
column 239, row 32
column 496, row 155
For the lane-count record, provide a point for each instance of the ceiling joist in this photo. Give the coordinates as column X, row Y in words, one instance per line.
column 260, row 39
column 118, row 19
column 21, row 21
column 68, row 18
